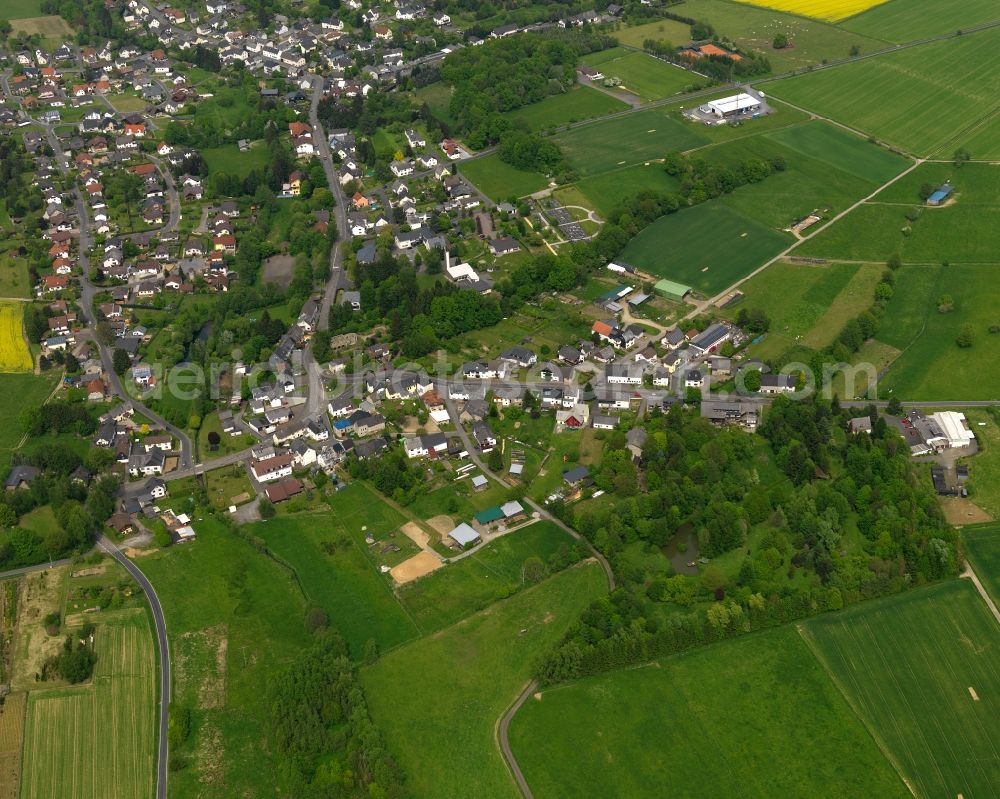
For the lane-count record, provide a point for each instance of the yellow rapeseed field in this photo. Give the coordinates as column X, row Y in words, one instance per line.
column 14, row 353
column 830, row 10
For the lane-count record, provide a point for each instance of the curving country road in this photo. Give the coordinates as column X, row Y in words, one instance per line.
column 503, row 739
column 164, row 651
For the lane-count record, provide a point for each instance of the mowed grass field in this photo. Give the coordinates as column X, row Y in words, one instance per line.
column 687, row 726
column 708, row 247
column 500, row 181
column 19, row 9
column 346, row 583
column 641, row 74
column 920, row 99
column 829, row 10
column 932, row 366
column 437, row 700
column 14, row 353
column 495, row 571
column 982, row 545
column 808, row 304
column 230, row 160
column 920, row 668
column 630, row 139
column 964, row 231
column 581, row 102
column 245, row 621
column 908, row 20
column 23, row 390
column 98, row 741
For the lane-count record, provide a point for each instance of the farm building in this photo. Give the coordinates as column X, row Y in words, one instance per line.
column 739, row 105
column 463, row 535
column 940, row 195
column 671, row 290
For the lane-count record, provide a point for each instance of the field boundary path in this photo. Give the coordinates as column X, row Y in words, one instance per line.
column 811, row 646
column 503, row 740
column 163, row 647
column 970, row 574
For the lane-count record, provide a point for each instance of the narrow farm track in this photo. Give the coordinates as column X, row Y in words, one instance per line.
column 970, row 574
column 503, row 740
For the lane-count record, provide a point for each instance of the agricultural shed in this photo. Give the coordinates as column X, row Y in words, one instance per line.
column 672, row 290
column 939, row 196
column 489, row 515
column 464, row 535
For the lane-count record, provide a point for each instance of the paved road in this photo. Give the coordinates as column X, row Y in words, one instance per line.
column 164, row 651
column 338, row 276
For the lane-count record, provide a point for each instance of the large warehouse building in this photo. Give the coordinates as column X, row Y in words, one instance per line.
column 730, row 107
column 671, row 290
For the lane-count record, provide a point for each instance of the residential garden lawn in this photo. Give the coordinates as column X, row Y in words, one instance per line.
column 581, row 102
column 982, row 546
column 492, row 573
column 228, row 638
column 500, row 181
column 920, row 670
column 689, row 726
column 227, row 443
column 755, row 28
column 127, row 103
column 917, row 84
column 646, row 76
column 829, row 10
column 224, row 485
column 343, row 579
column 567, row 450
column 98, row 740
column 907, row 20
column 14, row 353
column 13, row 276
column 709, row 247
column 230, row 160
column 808, row 304
column 651, row 134
column 451, row 688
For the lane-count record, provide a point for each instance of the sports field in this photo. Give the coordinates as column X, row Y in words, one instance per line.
column 99, row 740
column 685, row 726
column 500, row 181
column 829, row 10
column 630, row 139
column 920, row 669
column 908, row 20
column 642, row 74
column 437, row 700
column 708, row 247
column 606, row 191
column 14, row 353
column 939, row 89
column 575, row 105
